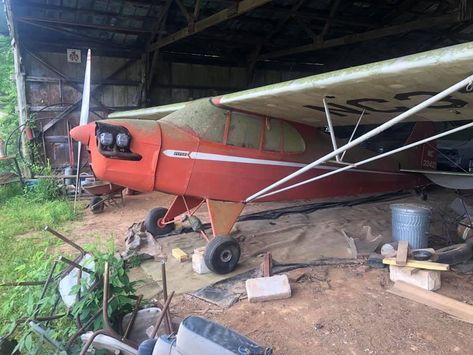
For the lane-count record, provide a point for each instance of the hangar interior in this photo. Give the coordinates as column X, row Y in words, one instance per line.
column 156, row 52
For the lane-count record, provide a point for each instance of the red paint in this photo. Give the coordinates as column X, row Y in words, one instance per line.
column 229, row 181
column 182, row 175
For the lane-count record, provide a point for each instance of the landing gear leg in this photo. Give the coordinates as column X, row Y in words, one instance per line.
column 160, row 221
column 222, row 252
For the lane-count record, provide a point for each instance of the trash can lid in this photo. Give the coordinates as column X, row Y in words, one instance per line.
column 411, row 207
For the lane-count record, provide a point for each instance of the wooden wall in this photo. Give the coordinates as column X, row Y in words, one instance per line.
column 54, row 86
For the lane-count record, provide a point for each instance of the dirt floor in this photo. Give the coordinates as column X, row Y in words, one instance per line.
column 335, row 310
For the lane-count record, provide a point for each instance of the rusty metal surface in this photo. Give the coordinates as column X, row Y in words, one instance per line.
column 99, row 188
column 223, row 215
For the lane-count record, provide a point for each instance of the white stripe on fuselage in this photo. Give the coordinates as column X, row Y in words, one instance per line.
column 183, row 154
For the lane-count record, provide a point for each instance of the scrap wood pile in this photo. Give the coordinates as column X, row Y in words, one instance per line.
column 417, row 279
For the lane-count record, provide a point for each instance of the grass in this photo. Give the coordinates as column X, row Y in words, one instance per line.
column 27, row 253
column 26, row 250
column 22, row 216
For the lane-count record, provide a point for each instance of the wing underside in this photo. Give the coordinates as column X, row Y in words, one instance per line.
column 379, row 90
column 149, row 113
column 382, row 89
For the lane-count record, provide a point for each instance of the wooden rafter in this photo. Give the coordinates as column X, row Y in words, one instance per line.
column 25, row 4
column 81, row 24
column 212, row 20
column 366, row 36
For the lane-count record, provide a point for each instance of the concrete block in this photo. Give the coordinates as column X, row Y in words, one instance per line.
column 268, row 288
column 426, row 279
column 198, row 262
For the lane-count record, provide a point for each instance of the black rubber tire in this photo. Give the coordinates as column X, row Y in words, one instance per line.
column 97, row 205
column 222, row 254
column 152, row 220
column 455, row 254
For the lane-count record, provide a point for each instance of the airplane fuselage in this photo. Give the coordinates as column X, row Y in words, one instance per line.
column 230, row 158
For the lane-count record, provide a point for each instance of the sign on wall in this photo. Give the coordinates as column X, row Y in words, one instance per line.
column 74, row 56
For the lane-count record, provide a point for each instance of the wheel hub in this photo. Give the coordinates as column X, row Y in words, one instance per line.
column 226, row 256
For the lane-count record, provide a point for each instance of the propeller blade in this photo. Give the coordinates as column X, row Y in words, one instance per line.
column 84, row 111
column 84, row 119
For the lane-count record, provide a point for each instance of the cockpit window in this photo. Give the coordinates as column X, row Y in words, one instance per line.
column 272, row 135
column 282, row 136
column 203, row 118
column 245, row 131
column 293, row 141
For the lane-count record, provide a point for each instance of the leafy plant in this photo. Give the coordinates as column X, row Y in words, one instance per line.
column 89, row 302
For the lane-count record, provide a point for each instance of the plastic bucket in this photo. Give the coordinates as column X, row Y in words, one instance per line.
column 411, row 222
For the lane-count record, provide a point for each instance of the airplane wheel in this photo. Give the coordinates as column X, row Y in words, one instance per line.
column 222, row 254
column 97, row 205
column 152, row 222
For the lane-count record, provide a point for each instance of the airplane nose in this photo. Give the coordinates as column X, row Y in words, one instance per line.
column 81, row 134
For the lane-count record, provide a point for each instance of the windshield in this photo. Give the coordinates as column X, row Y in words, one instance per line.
column 203, row 118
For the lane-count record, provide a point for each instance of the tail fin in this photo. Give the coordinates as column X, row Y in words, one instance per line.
column 424, row 156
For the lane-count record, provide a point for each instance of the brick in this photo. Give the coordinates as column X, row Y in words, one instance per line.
column 426, row 279
column 198, row 262
column 180, row 254
column 268, row 288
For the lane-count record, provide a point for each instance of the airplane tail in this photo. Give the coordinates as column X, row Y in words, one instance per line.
column 424, row 156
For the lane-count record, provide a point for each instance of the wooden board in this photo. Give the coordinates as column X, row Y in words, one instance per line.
column 456, row 309
column 428, row 265
column 401, row 255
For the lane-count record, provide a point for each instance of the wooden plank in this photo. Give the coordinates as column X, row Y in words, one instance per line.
column 428, row 265
column 84, row 25
column 212, row 20
column 366, row 36
column 456, row 309
column 402, row 250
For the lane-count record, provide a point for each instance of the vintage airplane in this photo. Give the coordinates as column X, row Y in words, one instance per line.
column 230, row 150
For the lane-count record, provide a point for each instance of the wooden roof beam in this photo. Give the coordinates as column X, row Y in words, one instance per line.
column 86, row 25
column 366, row 36
column 213, row 20
column 88, row 12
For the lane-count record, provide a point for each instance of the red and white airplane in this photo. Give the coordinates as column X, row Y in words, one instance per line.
column 277, row 142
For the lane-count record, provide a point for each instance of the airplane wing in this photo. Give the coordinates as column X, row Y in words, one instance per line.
column 448, row 179
column 149, row 113
column 383, row 89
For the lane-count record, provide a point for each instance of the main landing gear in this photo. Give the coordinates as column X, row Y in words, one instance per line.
column 222, row 252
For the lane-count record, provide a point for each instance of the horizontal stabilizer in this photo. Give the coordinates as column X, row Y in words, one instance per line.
column 448, row 179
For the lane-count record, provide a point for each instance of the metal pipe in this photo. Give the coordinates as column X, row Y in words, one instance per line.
column 161, row 316
column 26, row 283
column 106, row 321
column 440, row 135
column 76, row 265
column 64, row 239
column 165, row 295
column 330, row 128
column 353, row 133
column 132, row 318
column 45, row 287
column 366, row 136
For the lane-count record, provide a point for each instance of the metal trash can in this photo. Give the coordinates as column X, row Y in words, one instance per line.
column 411, row 222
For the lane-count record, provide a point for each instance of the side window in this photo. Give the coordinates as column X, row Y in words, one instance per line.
column 293, row 141
column 244, row 131
column 272, row 135
column 216, row 129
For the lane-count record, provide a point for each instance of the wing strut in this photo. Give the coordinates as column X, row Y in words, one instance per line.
column 369, row 160
column 364, row 137
column 330, row 128
column 353, row 133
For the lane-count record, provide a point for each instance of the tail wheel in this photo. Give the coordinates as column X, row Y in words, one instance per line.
column 222, row 254
column 153, row 222
column 97, row 204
